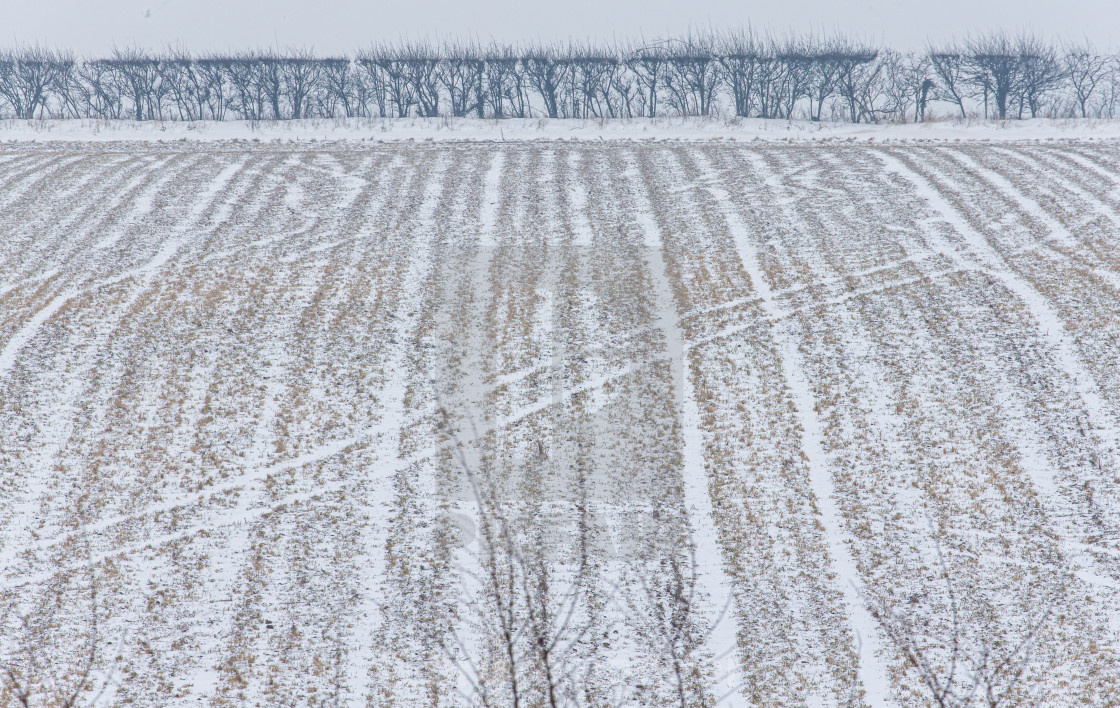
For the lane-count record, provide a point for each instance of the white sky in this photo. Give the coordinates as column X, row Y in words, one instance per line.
column 94, row 26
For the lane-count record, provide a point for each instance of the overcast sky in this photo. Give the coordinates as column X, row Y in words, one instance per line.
column 94, row 26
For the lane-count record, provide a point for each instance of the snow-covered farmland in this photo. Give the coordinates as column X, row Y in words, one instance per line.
column 570, row 423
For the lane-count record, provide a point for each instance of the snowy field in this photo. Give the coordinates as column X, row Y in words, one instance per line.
column 592, row 422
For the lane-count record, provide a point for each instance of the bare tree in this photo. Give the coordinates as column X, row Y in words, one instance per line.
column 998, row 672
column 247, row 93
column 788, row 77
column 907, row 83
column 859, row 80
column 392, row 80
column 534, row 620
column 666, row 610
column 919, row 71
column 938, row 674
column 461, row 75
column 186, row 87
column 27, row 76
column 1040, row 73
column 1110, row 90
column 547, row 69
column 363, row 93
column 649, row 64
column 71, row 93
column 340, row 96
column 138, row 75
column 506, row 86
column 825, row 60
column 782, row 74
column 420, row 64
column 378, row 81
column 102, row 88
column 624, row 93
column 687, row 76
column 267, row 72
column 594, row 76
column 993, row 70
column 740, row 53
column 694, row 74
column 948, row 64
column 213, row 85
column 300, row 74
column 1085, row 70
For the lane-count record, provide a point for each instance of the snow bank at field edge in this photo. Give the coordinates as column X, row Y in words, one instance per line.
column 476, row 130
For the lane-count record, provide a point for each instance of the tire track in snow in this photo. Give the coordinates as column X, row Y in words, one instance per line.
column 869, row 645
column 22, row 336
column 341, row 450
column 243, row 247
column 8, row 355
column 1035, row 462
column 347, row 444
column 64, row 225
column 238, row 523
column 474, row 395
column 67, row 234
column 143, row 273
column 1049, row 327
column 139, row 194
column 1056, row 229
column 407, row 311
column 47, row 275
column 1059, row 166
column 716, row 584
column 776, row 313
column 61, row 194
column 713, row 177
column 1066, row 163
column 521, row 374
column 310, row 495
column 242, row 525
column 27, row 177
column 370, row 193
column 384, row 472
column 10, row 159
column 1092, row 162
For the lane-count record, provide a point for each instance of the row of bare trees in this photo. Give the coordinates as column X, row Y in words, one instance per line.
column 1024, row 75
column 738, row 73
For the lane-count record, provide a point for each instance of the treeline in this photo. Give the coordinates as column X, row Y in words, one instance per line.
column 731, row 73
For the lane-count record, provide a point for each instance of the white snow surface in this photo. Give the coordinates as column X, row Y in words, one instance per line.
column 867, row 378
column 553, row 129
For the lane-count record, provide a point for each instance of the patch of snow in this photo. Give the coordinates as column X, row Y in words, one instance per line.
column 171, row 133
